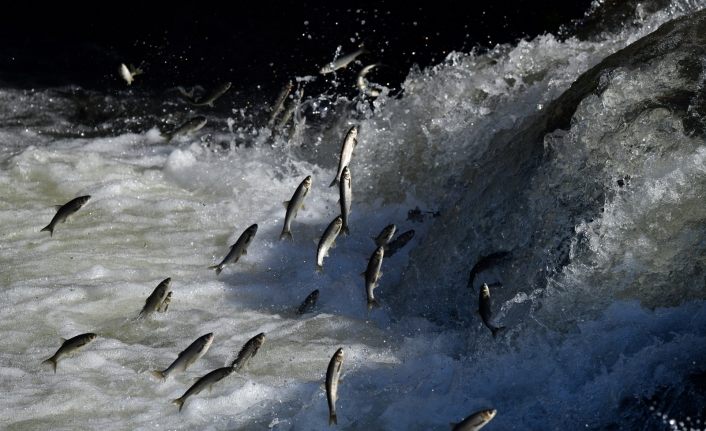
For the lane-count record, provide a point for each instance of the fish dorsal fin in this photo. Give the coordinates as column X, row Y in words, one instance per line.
column 63, row 340
column 58, row 207
column 285, row 203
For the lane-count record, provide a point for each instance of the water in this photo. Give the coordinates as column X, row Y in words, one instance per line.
column 600, row 205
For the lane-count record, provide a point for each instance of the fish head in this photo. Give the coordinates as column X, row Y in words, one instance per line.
column 328, row 68
column 379, row 252
column 307, row 182
column 353, row 132
column 259, row 340
column 315, row 295
column 83, row 199
column 252, row 230
column 338, row 355
column 390, row 230
column 485, row 291
column 226, row 86
column 346, row 174
column 207, row 339
column 90, row 337
column 488, row 414
column 338, row 221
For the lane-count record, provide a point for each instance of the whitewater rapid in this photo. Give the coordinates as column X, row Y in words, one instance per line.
column 603, row 295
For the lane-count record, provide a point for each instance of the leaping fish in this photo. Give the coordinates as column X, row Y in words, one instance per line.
column 342, row 61
column 64, row 211
column 129, row 73
column 293, row 206
column 70, row 346
column 349, row 142
column 238, row 249
column 187, row 357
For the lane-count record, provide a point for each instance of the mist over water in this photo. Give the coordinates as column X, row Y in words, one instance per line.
column 584, row 158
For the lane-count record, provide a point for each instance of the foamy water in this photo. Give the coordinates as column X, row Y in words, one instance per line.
column 603, row 295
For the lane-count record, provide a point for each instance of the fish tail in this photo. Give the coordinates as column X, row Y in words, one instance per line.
column 497, row 330
column 159, row 374
column 345, row 230
column 319, row 268
column 334, row 182
column 332, row 420
column 218, row 268
column 49, row 228
column 373, row 303
column 286, row 235
column 51, row 361
column 179, row 402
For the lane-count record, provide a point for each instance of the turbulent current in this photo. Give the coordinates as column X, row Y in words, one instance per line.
column 582, row 157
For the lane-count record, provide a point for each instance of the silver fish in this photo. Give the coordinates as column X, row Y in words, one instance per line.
column 372, row 275
column 192, row 354
column 212, row 97
column 190, row 126
column 333, row 374
column 484, row 309
column 346, row 197
column 238, row 249
column 293, row 206
column 165, row 304
column 327, row 241
column 248, row 350
column 206, row 381
column 399, row 242
column 385, row 235
column 342, row 61
column 279, row 103
column 309, row 302
column 363, row 83
column 64, row 211
column 70, row 346
column 156, row 298
column 349, row 142
column 129, row 74
column 475, row 421
column 289, row 113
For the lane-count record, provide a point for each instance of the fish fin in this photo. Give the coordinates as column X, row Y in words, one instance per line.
column 159, row 375
column 49, row 228
column 346, row 230
column 245, row 251
column 51, row 361
column 373, row 304
column 285, row 203
column 218, row 268
column 332, row 420
column 334, row 182
column 496, row 330
column 57, row 207
column 362, row 274
column 319, row 268
column 179, row 402
column 63, row 340
column 286, row 235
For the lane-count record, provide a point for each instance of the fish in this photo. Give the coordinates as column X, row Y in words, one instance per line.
column 70, row 346
column 346, row 197
column 248, row 351
column 165, row 304
column 156, row 298
column 362, row 83
column 327, row 242
column 309, row 302
column 188, row 127
column 385, row 235
column 349, row 142
column 475, row 421
column 212, row 97
column 187, row 357
column 129, row 74
column 372, row 275
column 206, row 381
column 64, row 211
column 399, row 242
column 333, row 374
column 484, row 263
column 293, row 206
column 279, row 103
column 289, row 113
column 484, row 309
column 238, row 249
column 342, row 62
